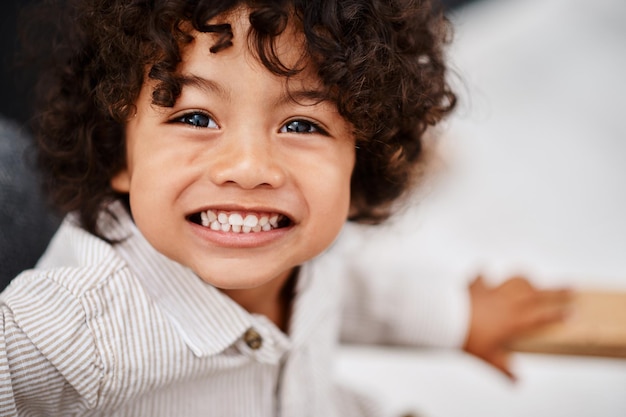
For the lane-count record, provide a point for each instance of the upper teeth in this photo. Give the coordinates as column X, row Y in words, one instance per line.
column 238, row 222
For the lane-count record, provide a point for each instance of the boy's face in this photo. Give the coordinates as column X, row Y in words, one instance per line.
column 236, row 147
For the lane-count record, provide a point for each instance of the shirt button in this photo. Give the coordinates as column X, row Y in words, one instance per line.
column 253, row 339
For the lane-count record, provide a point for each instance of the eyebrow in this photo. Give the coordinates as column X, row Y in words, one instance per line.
column 296, row 96
column 205, row 85
column 316, row 96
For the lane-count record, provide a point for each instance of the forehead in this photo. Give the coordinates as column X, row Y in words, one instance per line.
column 284, row 52
column 282, row 57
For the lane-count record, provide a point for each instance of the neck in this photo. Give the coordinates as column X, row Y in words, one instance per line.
column 272, row 300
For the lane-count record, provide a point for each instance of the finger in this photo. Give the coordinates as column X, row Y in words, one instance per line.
column 540, row 314
column 562, row 296
column 525, row 293
column 548, row 299
column 518, row 281
column 501, row 361
column 478, row 283
column 516, row 287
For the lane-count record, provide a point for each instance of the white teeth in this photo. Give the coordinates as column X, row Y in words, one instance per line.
column 274, row 220
column 239, row 223
column 235, row 219
column 251, row 220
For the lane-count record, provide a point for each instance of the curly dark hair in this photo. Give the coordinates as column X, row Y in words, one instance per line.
column 381, row 62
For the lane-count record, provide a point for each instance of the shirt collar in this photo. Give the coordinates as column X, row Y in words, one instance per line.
column 206, row 319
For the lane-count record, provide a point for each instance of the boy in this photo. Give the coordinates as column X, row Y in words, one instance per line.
column 206, row 152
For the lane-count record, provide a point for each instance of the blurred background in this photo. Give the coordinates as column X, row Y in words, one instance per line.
column 532, row 180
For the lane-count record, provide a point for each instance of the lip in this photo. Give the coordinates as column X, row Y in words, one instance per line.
column 239, row 240
column 243, row 209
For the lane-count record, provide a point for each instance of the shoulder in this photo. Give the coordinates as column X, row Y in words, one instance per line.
column 51, row 311
column 49, row 301
column 53, row 304
column 75, row 261
column 57, row 293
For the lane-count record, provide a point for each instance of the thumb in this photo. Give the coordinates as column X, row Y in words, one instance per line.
column 478, row 284
column 501, row 361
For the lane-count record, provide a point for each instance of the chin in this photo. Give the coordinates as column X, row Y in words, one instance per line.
column 235, row 281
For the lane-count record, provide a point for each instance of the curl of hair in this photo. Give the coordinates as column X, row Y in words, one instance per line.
column 381, row 62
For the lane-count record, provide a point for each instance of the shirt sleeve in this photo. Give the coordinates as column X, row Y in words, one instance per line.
column 38, row 351
column 7, row 399
column 28, row 381
column 399, row 301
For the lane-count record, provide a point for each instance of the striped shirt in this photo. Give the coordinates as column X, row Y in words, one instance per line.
column 120, row 330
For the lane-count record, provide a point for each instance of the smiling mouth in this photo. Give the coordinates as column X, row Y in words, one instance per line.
column 239, row 222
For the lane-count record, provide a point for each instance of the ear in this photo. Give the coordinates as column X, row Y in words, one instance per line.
column 121, row 181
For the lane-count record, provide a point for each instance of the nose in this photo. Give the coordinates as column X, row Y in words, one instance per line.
column 247, row 160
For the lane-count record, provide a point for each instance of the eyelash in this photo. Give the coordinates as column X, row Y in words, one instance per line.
column 196, row 117
column 316, row 128
column 188, row 119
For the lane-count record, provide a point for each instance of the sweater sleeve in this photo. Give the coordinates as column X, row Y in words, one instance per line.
column 400, row 301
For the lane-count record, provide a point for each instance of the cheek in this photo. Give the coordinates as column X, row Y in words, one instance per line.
column 161, row 168
column 332, row 186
